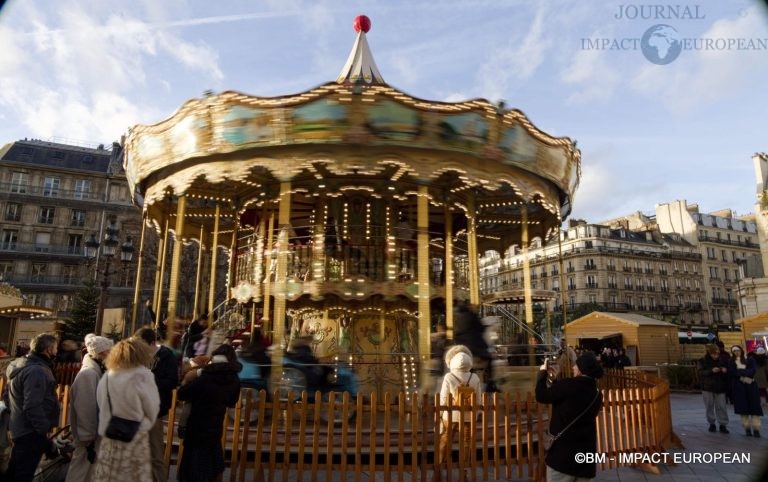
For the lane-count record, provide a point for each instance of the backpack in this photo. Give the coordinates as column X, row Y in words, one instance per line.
column 463, row 392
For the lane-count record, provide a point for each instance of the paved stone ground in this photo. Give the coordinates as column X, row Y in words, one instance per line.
column 691, row 426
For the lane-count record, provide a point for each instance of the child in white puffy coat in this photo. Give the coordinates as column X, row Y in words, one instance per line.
column 459, row 361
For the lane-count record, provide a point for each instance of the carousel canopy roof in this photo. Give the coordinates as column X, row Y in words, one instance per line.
column 355, row 134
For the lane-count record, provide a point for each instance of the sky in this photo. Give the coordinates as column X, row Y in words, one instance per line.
column 85, row 71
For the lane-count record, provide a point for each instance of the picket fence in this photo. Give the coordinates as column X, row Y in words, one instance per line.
column 346, row 438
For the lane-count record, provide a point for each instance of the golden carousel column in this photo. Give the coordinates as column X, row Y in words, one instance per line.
column 199, row 271
column 232, row 268
column 283, row 221
column 173, row 288
column 318, row 247
column 214, row 259
column 527, row 285
column 422, row 223
column 267, row 325
column 448, row 269
column 258, row 273
column 160, row 273
column 474, row 269
column 137, row 289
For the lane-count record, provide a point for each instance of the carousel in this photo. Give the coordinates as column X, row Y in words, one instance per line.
column 352, row 213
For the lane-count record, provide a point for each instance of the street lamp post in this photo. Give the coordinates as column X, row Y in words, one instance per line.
column 108, row 250
column 742, row 268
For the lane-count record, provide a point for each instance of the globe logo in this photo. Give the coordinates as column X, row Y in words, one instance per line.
column 661, row 44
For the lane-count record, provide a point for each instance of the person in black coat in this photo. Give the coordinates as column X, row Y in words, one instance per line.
column 165, row 368
column 576, row 400
column 744, row 391
column 210, row 390
column 468, row 330
column 713, row 377
column 195, row 332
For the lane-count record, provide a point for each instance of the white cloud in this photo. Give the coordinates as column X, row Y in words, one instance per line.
column 518, row 60
column 700, row 77
column 70, row 73
column 593, row 77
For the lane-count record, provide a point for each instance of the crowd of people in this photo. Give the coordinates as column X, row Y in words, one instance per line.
column 118, row 402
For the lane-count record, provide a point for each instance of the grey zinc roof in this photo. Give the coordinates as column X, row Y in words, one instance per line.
column 51, row 154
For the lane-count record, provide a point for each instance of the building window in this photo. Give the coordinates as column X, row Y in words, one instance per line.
column 19, row 182
column 69, row 273
column 13, row 212
column 42, row 242
column 10, row 237
column 75, row 244
column 66, row 303
column 82, row 188
column 38, row 272
column 593, row 299
column 6, row 271
column 46, row 215
column 51, row 186
column 710, row 252
column 78, row 218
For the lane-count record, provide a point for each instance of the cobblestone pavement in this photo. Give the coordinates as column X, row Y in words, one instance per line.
column 691, row 426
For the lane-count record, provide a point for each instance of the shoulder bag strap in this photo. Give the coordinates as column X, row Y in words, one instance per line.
column 579, row 416
column 109, row 399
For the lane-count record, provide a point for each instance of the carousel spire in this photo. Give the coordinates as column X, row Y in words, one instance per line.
column 360, row 66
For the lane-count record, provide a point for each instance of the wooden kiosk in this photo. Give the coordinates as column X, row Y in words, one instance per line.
column 648, row 341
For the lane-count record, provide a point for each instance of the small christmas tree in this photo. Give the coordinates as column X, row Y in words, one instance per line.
column 83, row 319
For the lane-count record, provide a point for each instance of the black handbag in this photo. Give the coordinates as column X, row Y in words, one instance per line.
column 120, row 428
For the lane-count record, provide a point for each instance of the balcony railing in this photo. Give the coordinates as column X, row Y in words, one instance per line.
column 591, row 286
column 730, row 242
column 41, row 248
column 590, row 266
column 32, row 279
column 49, row 192
column 374, row 260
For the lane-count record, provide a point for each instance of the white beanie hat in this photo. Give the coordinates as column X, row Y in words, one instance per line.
column 97, row 344
column 457, row 362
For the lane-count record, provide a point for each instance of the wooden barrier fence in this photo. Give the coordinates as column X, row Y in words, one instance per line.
column 355, row 438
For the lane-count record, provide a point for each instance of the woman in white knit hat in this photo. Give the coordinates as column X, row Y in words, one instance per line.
column 458, row 358
column 84, row 410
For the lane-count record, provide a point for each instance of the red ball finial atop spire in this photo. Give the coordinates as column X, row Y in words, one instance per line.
column 361, row 22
